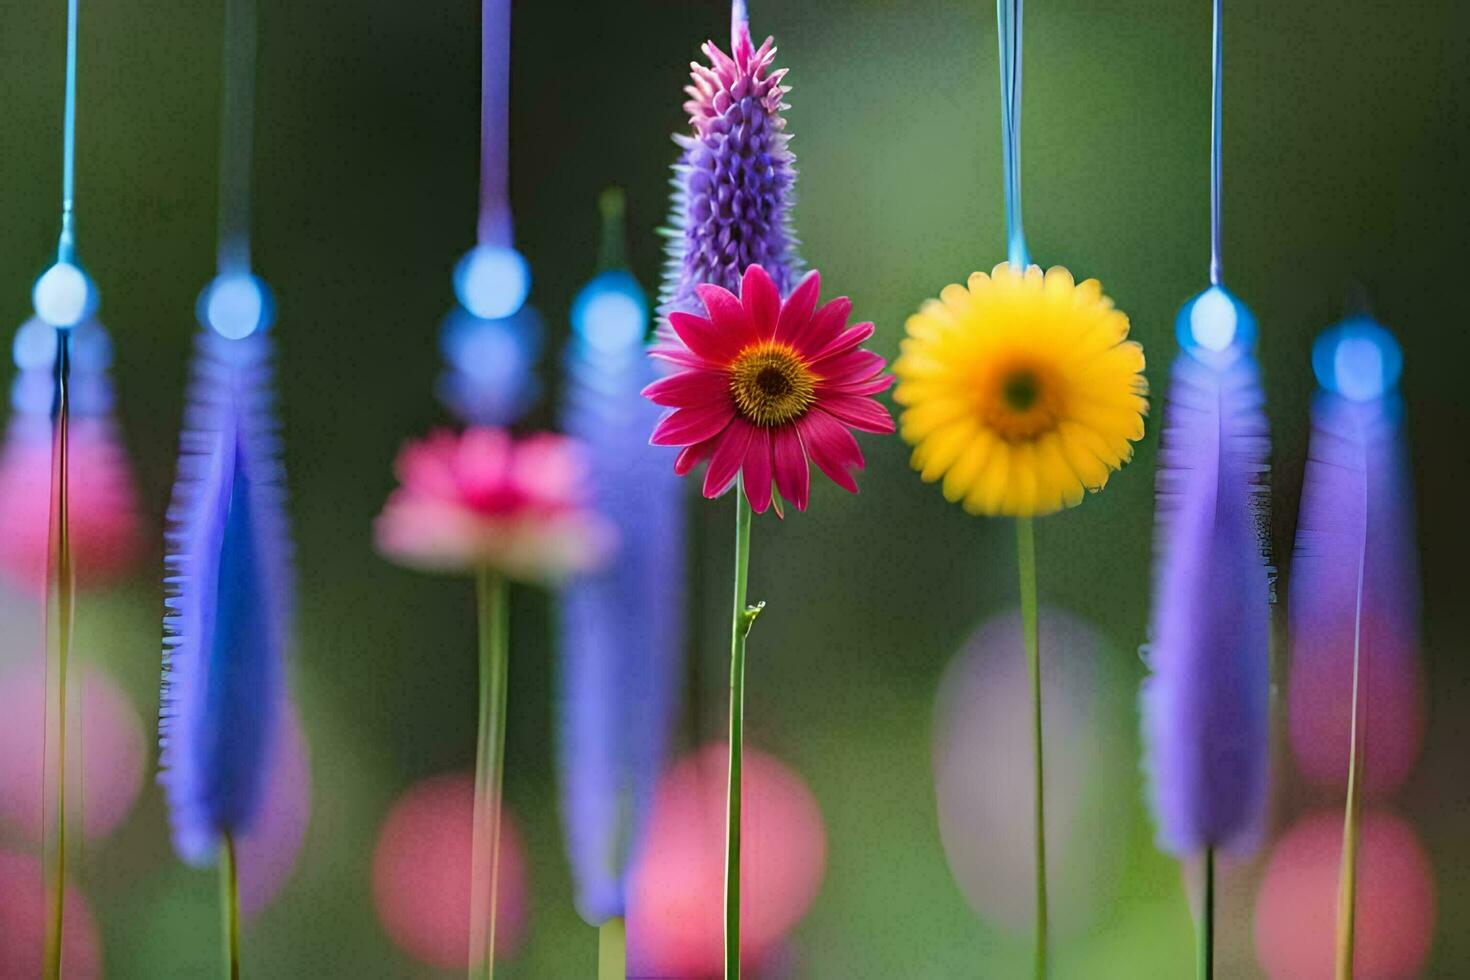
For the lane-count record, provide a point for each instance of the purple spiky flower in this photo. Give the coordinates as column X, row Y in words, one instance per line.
column 735, row 177
column 1205, row 703
column 229, row 572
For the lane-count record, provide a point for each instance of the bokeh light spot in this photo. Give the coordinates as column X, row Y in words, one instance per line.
column 492, row 282
column 63, row 296
column 235, row 305
column 610, row 314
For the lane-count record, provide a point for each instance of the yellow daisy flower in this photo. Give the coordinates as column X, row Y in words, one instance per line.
column 1021, row 390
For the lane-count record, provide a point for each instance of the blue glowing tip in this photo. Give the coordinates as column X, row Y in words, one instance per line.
column 492, row 282
column 236, row 305
column 1357, row 359
column 610, row 314
column 64, row 296
column 1215, row 327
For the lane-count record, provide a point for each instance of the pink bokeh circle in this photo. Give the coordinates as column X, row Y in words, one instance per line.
column 1296, row 912
column 114, row 751
column 103, row 504
column 421, row 874
column 675, row 923
column 23, row 924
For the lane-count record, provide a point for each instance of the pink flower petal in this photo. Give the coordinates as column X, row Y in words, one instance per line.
column 680, row 356
column 733, row 328
column 691, row 456
column 704, row 338
column 860, row 413
column 761, row 300
column 756, row 471
column 871, row 386
column 729, row 453
column 831, row 447
column 796, row 314
column 826, row 323
column 793, row 477
column 688, row 388
column 844, row 341
column 855, row 365
column 686, row 426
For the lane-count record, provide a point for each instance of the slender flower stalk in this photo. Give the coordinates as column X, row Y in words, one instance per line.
column 494, row 624
column 229, row 903
column 61, row 615
column 1030, row 630
column 741, row 620
column 63, row 298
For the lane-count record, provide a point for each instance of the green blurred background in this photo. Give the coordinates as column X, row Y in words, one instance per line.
column 1347, row 129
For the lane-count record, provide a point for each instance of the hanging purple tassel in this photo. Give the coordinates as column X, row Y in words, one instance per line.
column 1205, row 706
column 1354, row 572
column 228, row 579
column 622, row 629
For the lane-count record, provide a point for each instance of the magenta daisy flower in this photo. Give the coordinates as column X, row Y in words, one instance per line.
column 761, row 386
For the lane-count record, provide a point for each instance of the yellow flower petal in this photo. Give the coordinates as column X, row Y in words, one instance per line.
column 1021, row 390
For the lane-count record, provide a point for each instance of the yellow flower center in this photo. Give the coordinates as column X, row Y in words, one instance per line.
column 1019, row 402
column 771, row 384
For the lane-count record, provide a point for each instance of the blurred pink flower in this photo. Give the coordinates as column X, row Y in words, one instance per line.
column 675, row 924
column 113, row 751
column 484, row 499
column 103, row 506
column 421, row 874
column 1296, row 914
column 23, row 924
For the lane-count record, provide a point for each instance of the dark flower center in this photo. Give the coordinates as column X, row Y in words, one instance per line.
column 771, row 385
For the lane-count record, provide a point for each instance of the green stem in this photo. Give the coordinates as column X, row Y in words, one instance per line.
column 1347, row 888
column 61, row 610
column 1205, row 947
column 612, row 950
column 494, row 615
column 229, row 906
column 1026, row 564
column 741, row 619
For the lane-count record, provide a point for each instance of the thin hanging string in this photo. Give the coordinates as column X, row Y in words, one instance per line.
column 1008, row 17
column 236, row 137
column 495, row 224
column 1217, row 81
column 66, row 247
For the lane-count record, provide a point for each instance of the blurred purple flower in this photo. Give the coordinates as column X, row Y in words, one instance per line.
column 1205, row 706
column 734, row 180
column 1354, row 574
column 622, row 628
column 228, row 577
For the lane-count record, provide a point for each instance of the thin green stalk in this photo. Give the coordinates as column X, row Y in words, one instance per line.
column 1205, row 946
column 1026, row 563
column 612, row 950
column 1347, row 888
column 741, row 619
column 61, row 603
column 229, row 906
column 494, row 615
